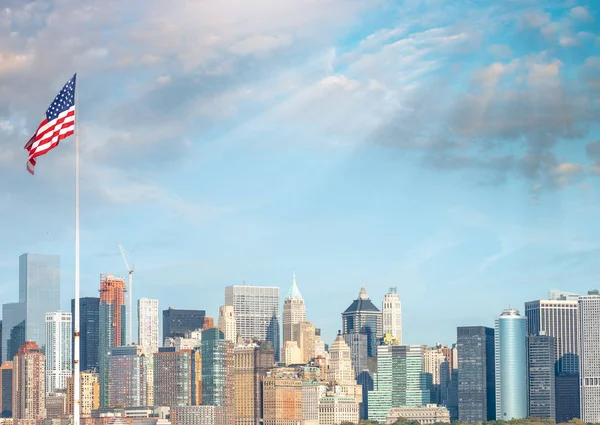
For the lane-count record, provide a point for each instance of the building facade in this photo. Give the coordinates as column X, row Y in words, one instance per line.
column 6, row 389
column 294, row 312
column 89, row 331
column 305, row 332
column 177, row 378
column 392, row 314
column 541, row 384
column 89, row 394
column 218, row 388
column 148, row 325
column 29, row 383
column 429, row 414
column 335, row 409
column 273, row 335
column 39, row 290
column 59, row 358
column 438, row 369
column 476, row 374
column 589, row 364
column 176, row 323
column 197, row 415
column 511, row 365
column 340, row 369
column 227, row 322
column 254, row 307
column 112, row 324
column 364, row 318
column 13, row 329
column 282, row 397
column 127, row 377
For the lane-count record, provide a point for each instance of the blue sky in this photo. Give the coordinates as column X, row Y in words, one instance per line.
column 450, row 149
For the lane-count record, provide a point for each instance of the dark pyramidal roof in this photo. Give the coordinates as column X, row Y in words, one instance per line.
column 362, row 303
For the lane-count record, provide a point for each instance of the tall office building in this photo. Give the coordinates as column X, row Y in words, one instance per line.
column 358, row 351
column 305, row 332
column 177, row 378
column 476, row 374
column 340, row 363
column 112, row 326
column 273, row 334
column 294, row 312
column 400, row 380
column 511, row 365
column 59, row 358
column 392, row 314
column 218, row 372
column 438, row 369
column 29, row 389
column 13, row 329
column 39, row 290
column 126, row 374
column 282, row 397
column 6, row 389
column 176, row 323
column 589, row 361
column 540, row 373
column 254, row 307
column 89, row 331
column 227, row 322
column 557, row 317
column 363, row 317
column 148, row 325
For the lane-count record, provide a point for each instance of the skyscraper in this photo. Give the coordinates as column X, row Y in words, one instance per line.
column 89, row 331
column 89, row 394
column 511, row 365
column 340, row 363
column 557, row 317
column 6, row 389
column 39, row 290
column 126, row 374
column 305, row 332
column 112, row 326
column 282, row 397
column 363, row 317
column 177, row 322
column 218, row 372
column 294, row 312
column 227, row 322
column 254, row 307
column 540, row 358
column 476, row 374
column 148, row 325
column 59, row 358
column 392, row 314
column 29, row 389
column 177, row 378
column 438, row 369
column 13, row 329
column 589, row 361
column 273, row 334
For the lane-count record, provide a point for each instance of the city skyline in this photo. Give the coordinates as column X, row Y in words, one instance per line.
column 448, row 150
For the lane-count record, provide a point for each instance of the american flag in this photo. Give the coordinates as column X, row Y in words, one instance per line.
column 58, row 124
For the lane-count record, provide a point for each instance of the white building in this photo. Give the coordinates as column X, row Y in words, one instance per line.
column 254, row 306
column 59, row 358
column 183, row 343
column 294, row 312
column 335, row 409
column 589, row 359
column 227, row 322
column 392, row 315
column 148, row 325
column 340, row 363
column 428, row 414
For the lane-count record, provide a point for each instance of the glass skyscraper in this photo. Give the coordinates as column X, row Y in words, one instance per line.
column 253, row 307
column 218, row 372
column 541, row 359
column 511, row 365
column 39, row 290
column 363, row 317
column 177, row 322
column 13, row 329
column 89, row 330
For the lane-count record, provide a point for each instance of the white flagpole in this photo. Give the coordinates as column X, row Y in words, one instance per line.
column 76, row 377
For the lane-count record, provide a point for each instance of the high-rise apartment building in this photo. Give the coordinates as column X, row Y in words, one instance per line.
column 476, row 374
column 540, row 372
column 282, row 397
column 254, row 307
column 89, row 331
column 294, row 312
column 59, row 359
column 29, row 389
column 340, row 363
column 6, row 389
column 13, row 329
column 363, row 317
column 305, row 332
column 511, row 365
column 176, row 323
column 126, row 375
column 148, row 325
column 39, row 290
column 392, row 314
column 112, row 326
column 177, row 378
column 557, row 317
column 227, row 322
column 400, row 380
column 589, row 361
column 218, row 372
column 89, row 394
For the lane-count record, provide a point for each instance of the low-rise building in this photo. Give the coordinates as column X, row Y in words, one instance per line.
column 335, row 409
column 428, row 414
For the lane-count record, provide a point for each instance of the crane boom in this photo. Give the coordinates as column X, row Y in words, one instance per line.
column 130, row 271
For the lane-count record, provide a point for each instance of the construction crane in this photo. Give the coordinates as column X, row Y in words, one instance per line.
column 130, row 270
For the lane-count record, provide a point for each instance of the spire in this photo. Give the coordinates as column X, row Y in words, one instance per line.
column 294, row 293
column 362, row 295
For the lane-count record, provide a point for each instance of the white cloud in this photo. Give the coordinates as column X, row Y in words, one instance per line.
column 581, row 13
column 260, row 44
column 534, row 19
